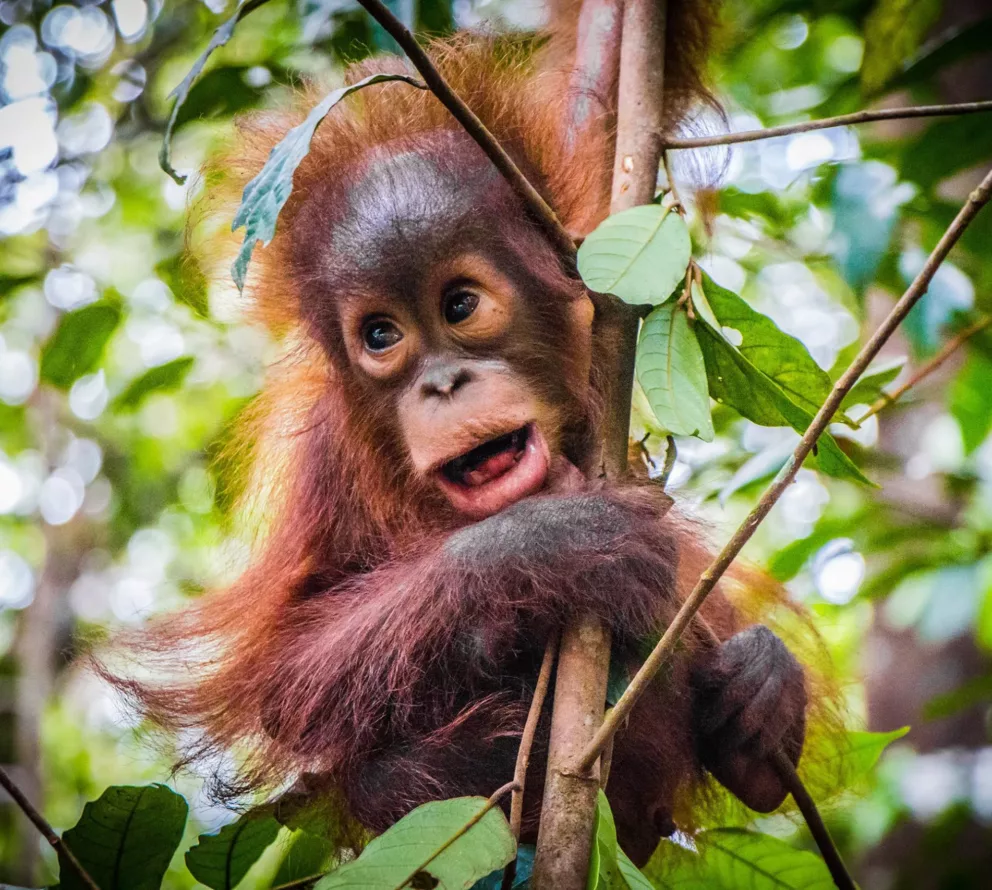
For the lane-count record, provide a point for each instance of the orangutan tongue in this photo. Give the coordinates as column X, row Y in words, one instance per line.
column 491, row 467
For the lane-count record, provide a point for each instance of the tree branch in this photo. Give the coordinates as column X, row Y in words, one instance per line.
column 565, row 836
column 639, row 684
column 949, row 348
column 523, row 752
column 47, row 831
column 473, row 126
column 843, row 120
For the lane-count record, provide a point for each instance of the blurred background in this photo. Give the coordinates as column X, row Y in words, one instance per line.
column 123, row 363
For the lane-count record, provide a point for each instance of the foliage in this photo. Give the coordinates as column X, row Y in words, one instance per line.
column 124, row 363
column 126, row 837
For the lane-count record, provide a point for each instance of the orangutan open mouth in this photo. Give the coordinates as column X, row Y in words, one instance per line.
column 496, row 473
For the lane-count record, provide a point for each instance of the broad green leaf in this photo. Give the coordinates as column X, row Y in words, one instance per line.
column 411, row 847
column 639, row 255
column 306, row 855
column 702, row 306
column 266, row 194
column 733, row 858
column 971, row 400
column 604, row 870
column 672, row 373
column 162, row 378
column 855, row 753
column 181, row 92
column 776, row 354
column 126, row 838
column 872, row 383
column 631, row 874
column 945, row 148
column 734, row 381
column 77, row 345
column 222, row 860
column 893, row 32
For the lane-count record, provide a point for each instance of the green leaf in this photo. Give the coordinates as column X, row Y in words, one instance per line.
column 893, row 32
column 947, row 147
column 732, row 858
column 181, row 92
column 164, row 377
column 850, row 756
column 872, row 383
column 971, row 400
column 734, row 381
column 266, row 194
column 411, row 847
column 222, row 860
column 604, row 869
column 77, row 345
column 672, row 373
column 631, row 874
column 126, row 838
column 776, row 354
column 639, row 255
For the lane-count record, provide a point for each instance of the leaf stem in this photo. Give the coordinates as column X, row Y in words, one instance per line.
column 707, row 581
column 473, row 126
column 46, row 829
column 843, row 120
column 926, row 369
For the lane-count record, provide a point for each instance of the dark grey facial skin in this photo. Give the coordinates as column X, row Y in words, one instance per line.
column 422, row 204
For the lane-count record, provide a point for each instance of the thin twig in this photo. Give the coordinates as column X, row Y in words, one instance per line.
column 494, row 799
column 828, row 850
column 789, row 778
column 527, row 737
column 605, row 762
column 843, row 120
column 473, row 126
column 46, row 830
column 949, row 348
column 671, row 455
column 677, row 204
column 707, row 581
column 523, row 752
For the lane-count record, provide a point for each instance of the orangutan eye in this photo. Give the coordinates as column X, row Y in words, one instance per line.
column 459, row 305
column 380, row 334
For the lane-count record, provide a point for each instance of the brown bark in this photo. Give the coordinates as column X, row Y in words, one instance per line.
column 565, row 837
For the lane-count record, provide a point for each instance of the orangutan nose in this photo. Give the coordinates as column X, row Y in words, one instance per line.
column 443, row 381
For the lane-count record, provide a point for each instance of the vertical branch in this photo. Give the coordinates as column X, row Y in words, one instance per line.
column 565, row 837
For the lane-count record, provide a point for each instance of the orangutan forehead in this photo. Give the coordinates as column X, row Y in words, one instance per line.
column 417, row 203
